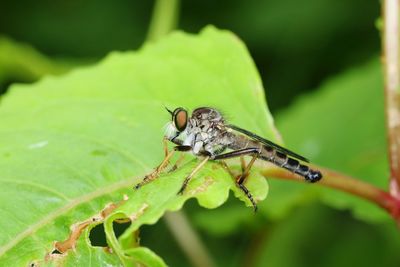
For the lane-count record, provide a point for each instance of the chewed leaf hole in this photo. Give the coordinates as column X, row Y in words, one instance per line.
column 97, row 235
column 55, row 251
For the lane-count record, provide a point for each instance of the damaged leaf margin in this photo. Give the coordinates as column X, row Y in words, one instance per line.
column 80, row 235
column 211, row 189
column 79, row 230
column 61, row 247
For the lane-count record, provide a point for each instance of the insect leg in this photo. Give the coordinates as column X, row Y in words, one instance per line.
column 181, row 148
column 156, row 172
column 242, row 179
column 248, row 195
column 237, row 153
column 162, row 165
column 242, row 163
column 245, row 170
column 226, row 167
column 165, row 143
column 240, row 153
column 193, row 172
column 239, row 184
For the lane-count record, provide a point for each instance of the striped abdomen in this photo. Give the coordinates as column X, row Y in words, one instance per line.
column 282, row 160
column 273, row 155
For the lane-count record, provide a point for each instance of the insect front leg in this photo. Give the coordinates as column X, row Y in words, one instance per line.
column 168, row 154
column 177, row 163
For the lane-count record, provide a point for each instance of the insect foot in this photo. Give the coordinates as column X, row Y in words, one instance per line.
column 145, row 180
column 180, row 192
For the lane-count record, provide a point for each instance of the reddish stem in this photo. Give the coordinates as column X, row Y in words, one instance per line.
column 347, row 184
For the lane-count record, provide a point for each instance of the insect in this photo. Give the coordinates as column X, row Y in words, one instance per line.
column 209, row 137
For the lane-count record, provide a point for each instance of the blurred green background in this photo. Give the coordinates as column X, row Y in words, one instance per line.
column 297, row 46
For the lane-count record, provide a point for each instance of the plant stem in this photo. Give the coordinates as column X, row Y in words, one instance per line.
column 187, row 239
column 392, row 89
column 164, row 19
column 347, row 184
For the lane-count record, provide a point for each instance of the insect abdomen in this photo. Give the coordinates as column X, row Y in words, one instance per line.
column 282, row 160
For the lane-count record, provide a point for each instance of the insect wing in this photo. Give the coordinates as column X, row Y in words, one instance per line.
column 267, row 142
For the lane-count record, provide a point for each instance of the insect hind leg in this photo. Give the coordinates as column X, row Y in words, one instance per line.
column 239, row 181
column 242, row 178
column 248, row 195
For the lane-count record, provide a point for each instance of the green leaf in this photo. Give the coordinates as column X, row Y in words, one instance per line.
column 341, row 127
column 146, row 257
column 72, row 147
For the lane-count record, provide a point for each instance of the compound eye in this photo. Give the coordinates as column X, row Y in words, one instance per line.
column 180, row 118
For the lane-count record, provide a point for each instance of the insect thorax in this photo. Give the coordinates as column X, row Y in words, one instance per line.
column 206, row 132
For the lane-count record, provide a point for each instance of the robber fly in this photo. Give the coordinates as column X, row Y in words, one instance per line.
column 208, row 136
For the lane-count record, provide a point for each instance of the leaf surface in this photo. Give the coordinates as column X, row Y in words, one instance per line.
column 71, row 146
